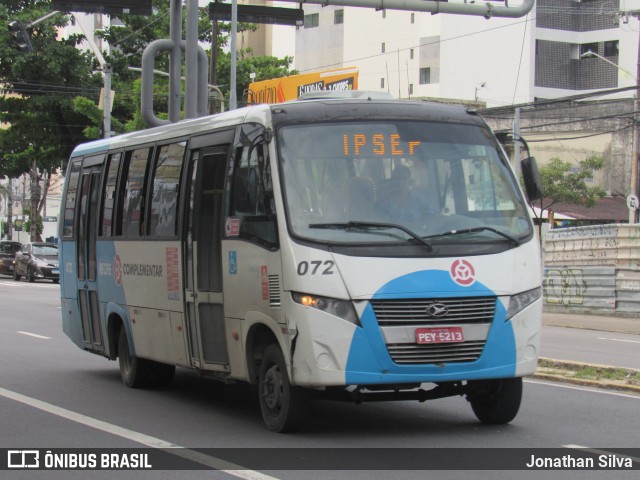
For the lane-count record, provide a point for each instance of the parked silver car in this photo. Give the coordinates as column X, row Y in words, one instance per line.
column 37, row 260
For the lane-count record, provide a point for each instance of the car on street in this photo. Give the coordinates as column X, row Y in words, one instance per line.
column 37, row 260
column 8, row 251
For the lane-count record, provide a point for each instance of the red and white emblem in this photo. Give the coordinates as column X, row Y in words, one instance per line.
column 117, row 270
column 462, row 272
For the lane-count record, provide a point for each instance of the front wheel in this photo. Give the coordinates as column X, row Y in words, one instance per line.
column 16, row 275
column 30, row 276
column 496, row 401
column 283, row 406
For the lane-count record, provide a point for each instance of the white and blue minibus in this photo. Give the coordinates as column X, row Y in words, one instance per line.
column 356, row 249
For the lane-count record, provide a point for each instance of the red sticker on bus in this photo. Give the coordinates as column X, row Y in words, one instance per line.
column 232, row 227
column 462, row 272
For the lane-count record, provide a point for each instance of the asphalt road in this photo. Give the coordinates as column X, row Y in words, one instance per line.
column 53, row 395
column 591, row 346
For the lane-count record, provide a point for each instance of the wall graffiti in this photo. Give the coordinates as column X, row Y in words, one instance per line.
column 564, row 286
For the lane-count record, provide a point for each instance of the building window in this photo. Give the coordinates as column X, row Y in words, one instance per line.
column 425, row 76
column 611, row 48
column 382, row 82
column 588, row 47
column 413, row 17
column 383, row 47
column 411, row 54
column 338, row 16
column 311, row 20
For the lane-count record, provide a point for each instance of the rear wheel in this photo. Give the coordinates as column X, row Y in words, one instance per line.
column 496, row 401
column 16, row 276
column 283, row 406
column 30, row 277
column 135, row 372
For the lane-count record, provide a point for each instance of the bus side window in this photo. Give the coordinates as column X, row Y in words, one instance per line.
column 109, row 195
column 165, row 191
column 70, row 200
column 131, row 205
column 252, row 196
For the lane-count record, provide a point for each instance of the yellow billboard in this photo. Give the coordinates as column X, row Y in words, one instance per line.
column 283, row 89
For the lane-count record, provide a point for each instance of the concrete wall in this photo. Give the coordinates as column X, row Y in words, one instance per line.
column 593, row 269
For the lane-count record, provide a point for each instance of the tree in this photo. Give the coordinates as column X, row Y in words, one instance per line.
column 564, row 182
column 39, row 87
column 128, row 43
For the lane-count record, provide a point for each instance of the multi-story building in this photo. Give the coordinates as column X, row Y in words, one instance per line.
column 500, row 61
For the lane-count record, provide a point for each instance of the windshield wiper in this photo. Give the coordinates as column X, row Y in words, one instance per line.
column 367, row 226
column 511, row 238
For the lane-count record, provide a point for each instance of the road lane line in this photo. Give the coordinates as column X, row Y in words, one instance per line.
column 153, row 442
column 601, row 452
column 34, row 335
column 584, row 389
column 618, row 340
column 29, row 285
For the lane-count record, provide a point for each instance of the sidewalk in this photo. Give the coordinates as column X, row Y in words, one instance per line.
column 592, row 322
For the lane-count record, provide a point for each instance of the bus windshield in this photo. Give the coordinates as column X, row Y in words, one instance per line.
column 389, row 182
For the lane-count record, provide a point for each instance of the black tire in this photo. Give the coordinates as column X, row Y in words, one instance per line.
column 135, row 372
column 497, row 401
column 283, row 407
column 56, row 280
column 30, row 277
column 16, row 276
column 162, row 374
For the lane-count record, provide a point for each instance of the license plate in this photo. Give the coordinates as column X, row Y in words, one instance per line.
column 439, row 335
column 55, row 271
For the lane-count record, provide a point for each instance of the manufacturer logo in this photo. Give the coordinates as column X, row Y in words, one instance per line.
column 462, row 272
column 437, row 310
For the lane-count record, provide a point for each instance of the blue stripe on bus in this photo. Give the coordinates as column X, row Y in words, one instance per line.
column 369, row 361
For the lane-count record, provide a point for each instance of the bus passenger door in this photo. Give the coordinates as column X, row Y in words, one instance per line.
column 86, row 254
column 202, row 252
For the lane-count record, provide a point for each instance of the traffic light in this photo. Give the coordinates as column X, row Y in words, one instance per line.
column 20, row 36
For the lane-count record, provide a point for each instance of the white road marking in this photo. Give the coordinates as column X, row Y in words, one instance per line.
column 34, row 335
column 618, row 340
column 601, row 452
column 29, row 285
column 584, row 389
column 149, row 441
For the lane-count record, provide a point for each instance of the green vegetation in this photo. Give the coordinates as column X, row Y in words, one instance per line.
column 578, row 371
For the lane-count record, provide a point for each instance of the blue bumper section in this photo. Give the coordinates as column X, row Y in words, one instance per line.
column 370, row 363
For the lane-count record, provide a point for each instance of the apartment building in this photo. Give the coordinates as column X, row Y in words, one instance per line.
column 500, row 61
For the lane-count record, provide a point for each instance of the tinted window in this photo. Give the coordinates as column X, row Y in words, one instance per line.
column 133, row 194
column 164, row 196
column 70, row 200
column 109, row 195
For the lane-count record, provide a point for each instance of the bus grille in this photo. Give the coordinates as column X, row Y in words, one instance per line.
column 435, row 312
column 407, row 353
column 415, row 311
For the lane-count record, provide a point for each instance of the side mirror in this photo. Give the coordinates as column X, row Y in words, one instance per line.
column 532, row 180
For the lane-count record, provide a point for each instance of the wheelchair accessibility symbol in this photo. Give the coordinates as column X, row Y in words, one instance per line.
column 233, row 262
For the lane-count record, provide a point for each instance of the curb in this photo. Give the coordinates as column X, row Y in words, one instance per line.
column 545, row 373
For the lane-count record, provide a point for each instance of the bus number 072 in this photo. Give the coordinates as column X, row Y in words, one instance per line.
column 313, row 267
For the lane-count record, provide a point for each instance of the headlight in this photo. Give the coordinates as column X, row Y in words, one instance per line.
column 519, row 302
column 340, row 308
